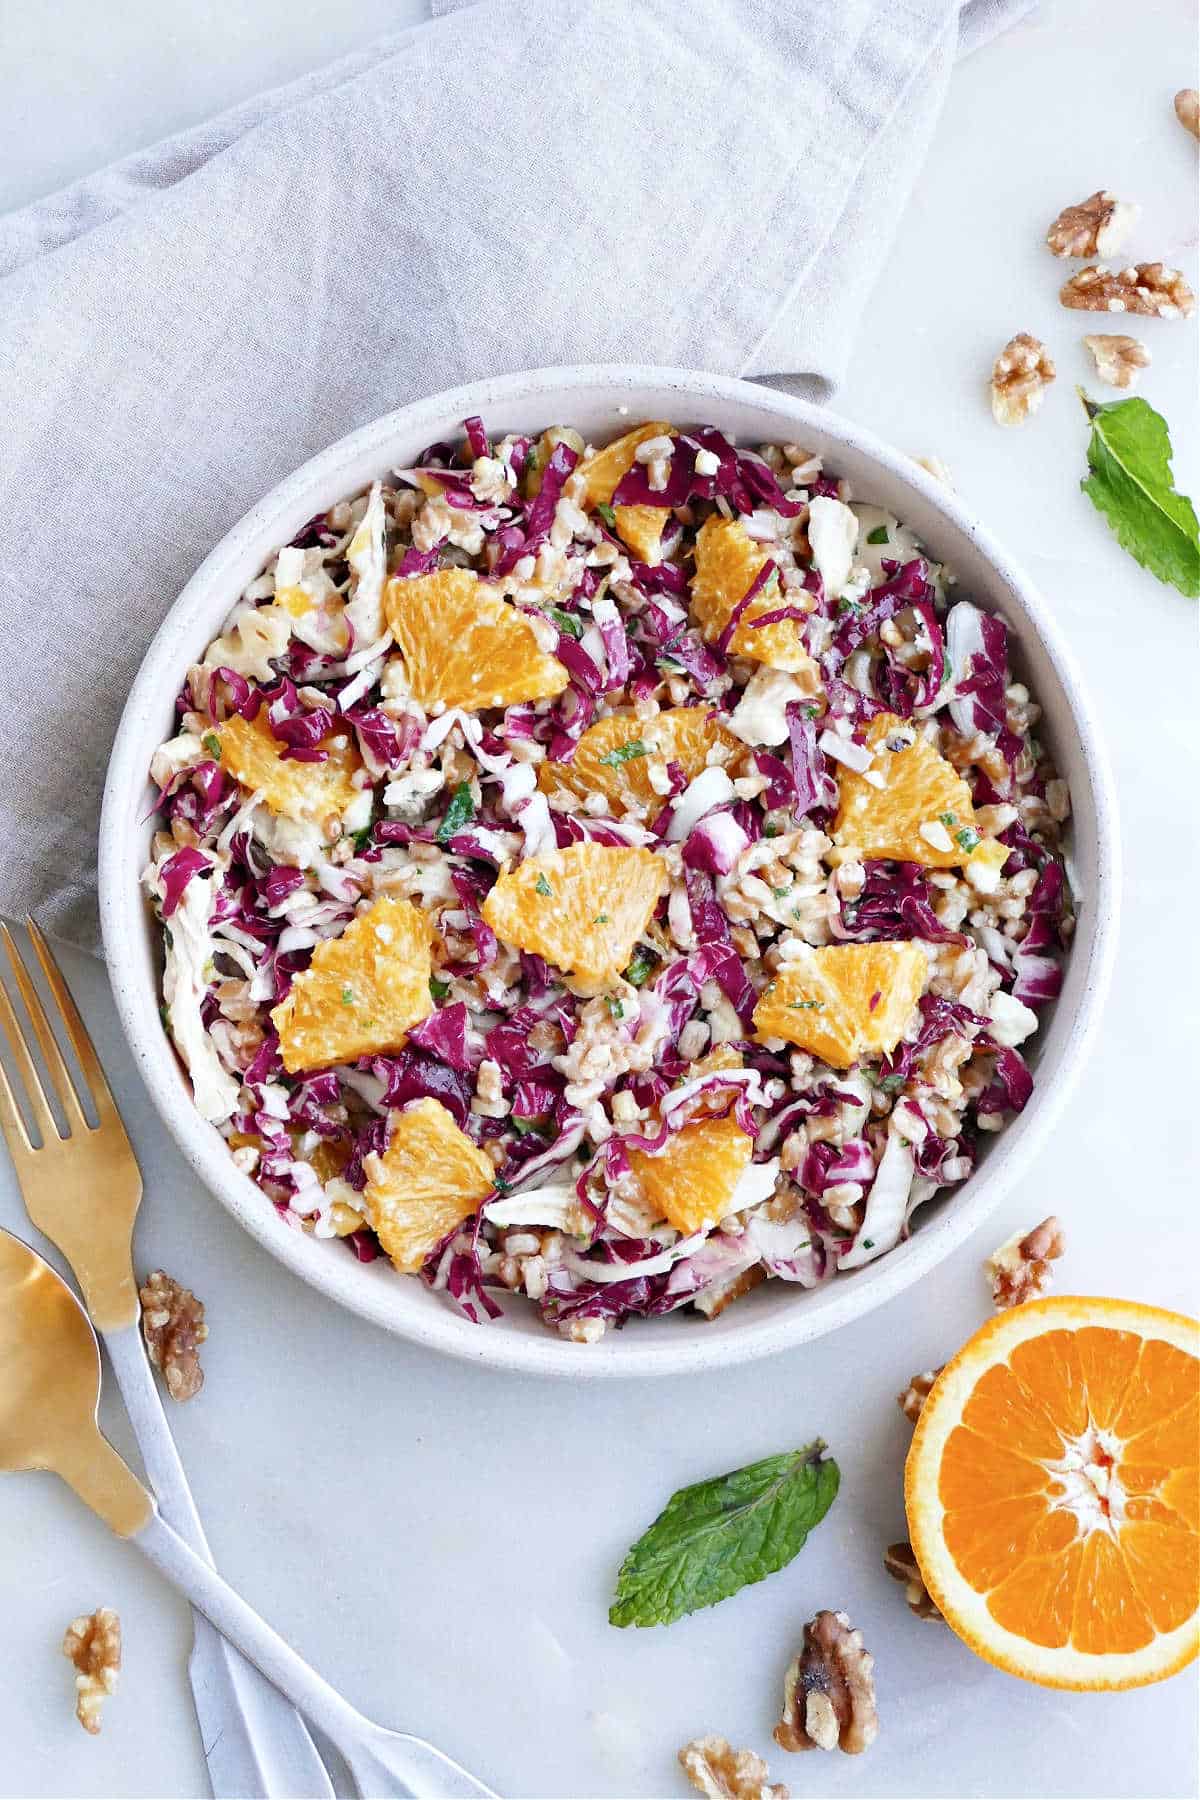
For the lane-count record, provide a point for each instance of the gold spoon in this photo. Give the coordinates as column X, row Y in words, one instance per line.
column 49, row 1393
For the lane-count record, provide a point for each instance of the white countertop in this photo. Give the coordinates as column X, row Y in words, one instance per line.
column 442, row 1542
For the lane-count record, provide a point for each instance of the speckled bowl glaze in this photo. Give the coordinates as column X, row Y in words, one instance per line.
column 601, row 402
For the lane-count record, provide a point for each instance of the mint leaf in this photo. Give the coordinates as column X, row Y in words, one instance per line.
column 542, row 886
column 719, row 1536
column 460, row 812
column 1129, row 480
column 878, row 536
column 571, row 623
column 438, row 989
column 623, row 753
column 212, row 744
column 640, row 968
column 608, row 515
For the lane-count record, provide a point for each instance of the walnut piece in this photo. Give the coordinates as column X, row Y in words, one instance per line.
column 713, row 1301
column 1119, row 359
column 1020, row 376
column 1020, row 1269
column 829, row 1690
column 1148, row 288
column 933, row 465
column 1098, row 226
column 899, row 1561
column 174, row 1329
column 93, row 1643
column 1187, row 110
column 916, row 1393
column 714, row 1768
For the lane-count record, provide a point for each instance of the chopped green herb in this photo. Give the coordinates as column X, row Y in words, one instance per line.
column 967, row 838
column 807, row 1005
column 600, row 919
column 770, row 831
column 460, row 812
column 524, row 1126
column 568, row 622
column 781, row 893
column 850, row 606
column 878, row 536
column 438, row 988
column 889, row 1084
column 362, row 839
column 608, row 515
column 347, row 996
column 165, row 1016
column 623, row 753
column 500, row 1185
column 616, row 1009
column 542, row 886
column 641, row 968
column 868, row 1243
column 949, row 820
column 810, row 712
column 212, row 744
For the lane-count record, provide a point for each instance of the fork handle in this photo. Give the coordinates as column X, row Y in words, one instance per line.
column 256, row 1745
column 386, row 1764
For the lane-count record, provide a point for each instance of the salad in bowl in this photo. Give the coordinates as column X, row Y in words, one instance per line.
column 620, row 873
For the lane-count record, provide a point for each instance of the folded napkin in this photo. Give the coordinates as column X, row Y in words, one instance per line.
column 712, row 184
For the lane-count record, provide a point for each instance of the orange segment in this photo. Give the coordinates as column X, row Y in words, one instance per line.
column 429, row 1179
column 922, row 813
column 465, row 646
column 641, row 527
column 613, row 756
column 582, row 908
column 845, row 1000
column 254, row 756
column 1049, row 1542
column 691, row 1179
column 727, row 561
column 361, row 992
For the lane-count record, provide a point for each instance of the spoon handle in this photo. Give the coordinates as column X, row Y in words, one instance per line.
column 394, row 1765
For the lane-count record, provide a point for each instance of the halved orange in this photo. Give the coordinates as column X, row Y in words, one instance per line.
column 691, row 1179
column 582, row 908
column 361, row 991
column 910, row 804
column 641, row 527
column 428, row 1180
column 844, row 1000
column 612, row 755
column 1053, row 1492
column 311, row 791
column 465, row 646
column 728, row 560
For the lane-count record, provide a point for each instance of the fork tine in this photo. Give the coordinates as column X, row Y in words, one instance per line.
column 98, row 1088
column 39, row 1105
column 60, row 1075
column 12, row 1125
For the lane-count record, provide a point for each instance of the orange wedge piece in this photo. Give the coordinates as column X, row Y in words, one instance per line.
column 428, row 1180
column 921, row 813
column 361, row 991
column 845, row 1000
column 309, row 791
column 612, row 756
column 728, row 560
column 1053, row 1493
column 641, row 527
column 582, row 908
column 690, row 1181
column 465, row 646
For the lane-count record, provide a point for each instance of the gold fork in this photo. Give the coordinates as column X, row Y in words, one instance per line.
column 83, row 1191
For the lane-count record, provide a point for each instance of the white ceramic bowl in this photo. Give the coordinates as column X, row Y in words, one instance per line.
column 600, row 402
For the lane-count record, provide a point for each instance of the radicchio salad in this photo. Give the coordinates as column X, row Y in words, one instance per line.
column 616, row 875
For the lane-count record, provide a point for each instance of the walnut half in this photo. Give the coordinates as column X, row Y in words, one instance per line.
column 916, row 1393
column 174, row 1329
column 717, row 1770
column 1187, row 110
column 1147, row 288
column 1098, row 226
column 1020, row 376
column 93, row 1643
column 1119, row 359
column 901, row 1564
column 829, row 1690
column 1020, row 1269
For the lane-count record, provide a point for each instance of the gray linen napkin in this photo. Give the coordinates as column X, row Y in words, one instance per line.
column 713, row 185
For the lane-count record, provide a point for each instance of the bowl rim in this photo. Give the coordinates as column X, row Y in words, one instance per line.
column 123, row 915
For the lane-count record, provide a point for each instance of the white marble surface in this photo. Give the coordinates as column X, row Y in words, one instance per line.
column 441, row 1542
